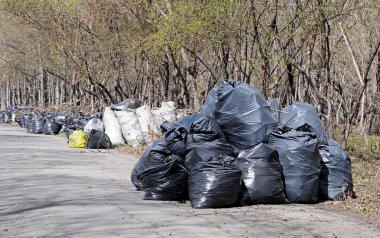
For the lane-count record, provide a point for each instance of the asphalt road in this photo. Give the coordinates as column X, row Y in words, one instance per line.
column 50, row 190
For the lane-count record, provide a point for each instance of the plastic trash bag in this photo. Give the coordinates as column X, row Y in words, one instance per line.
column 78, row 139
column 208, row 108
column 336, row 177
column 131, row 103
column 98, row 140
column 25, row 120
column 262, row 175
column 156, row 154
column 244, row 114
column 81, row 123
column 201, row 152
column 20, row 121
column 167, row 112
column 36, row 125
column 275, row 108
column 130, row 127
column 60, row 119
column 4, row 117
column 52, row 127
column 166, row 126
column 148, row 125
column 298, row 114
column 93, row 124
column 192, row 129
column 215, row 183
column 112, row 127
column 301, row 163
column 167, row 181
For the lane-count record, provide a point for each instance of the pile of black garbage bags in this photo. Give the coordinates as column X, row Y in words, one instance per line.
column 55, row 123
column 6, row 115
column 242, row 150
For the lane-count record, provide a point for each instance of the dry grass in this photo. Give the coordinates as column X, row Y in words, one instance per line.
column 135, row 151
column 366, row 175
column 357, row 148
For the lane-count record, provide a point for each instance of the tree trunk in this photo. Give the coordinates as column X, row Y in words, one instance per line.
column 3, row 101
column 191, row 78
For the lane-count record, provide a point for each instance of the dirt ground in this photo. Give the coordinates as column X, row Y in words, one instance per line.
column 49, row 190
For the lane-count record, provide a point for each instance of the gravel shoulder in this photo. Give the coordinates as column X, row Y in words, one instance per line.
column 50, row 190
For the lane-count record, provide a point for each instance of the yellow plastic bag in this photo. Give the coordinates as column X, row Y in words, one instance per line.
column 78, row 139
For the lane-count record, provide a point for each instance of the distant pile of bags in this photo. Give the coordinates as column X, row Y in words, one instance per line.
column 7, row 115
column 242, row 150
column 128, row 122
column 82, row 131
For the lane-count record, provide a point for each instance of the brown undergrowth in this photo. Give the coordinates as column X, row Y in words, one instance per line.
column 366, row 176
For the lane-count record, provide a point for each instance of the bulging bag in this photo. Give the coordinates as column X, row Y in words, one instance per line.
column 112, row 127
column 202, row 152
column 244, row 114
column 336, row 177
column 301, row 163
column 298, row 114
column 215, row 183
column 98, row 140
column 262, row 175
column 167, row 181
column 156, row 154
column 192, row 129
column 78, row 139
column 52, row 127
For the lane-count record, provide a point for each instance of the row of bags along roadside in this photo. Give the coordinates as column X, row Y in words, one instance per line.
column 128, row 122
column 242, row 150
column 82, row 131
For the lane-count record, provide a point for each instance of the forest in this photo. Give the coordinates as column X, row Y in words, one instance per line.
column 82, row 55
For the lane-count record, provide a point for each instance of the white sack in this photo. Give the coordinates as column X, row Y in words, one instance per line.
column 147, row 123
column 167, row 112
column 130, row 127
column 112, row 127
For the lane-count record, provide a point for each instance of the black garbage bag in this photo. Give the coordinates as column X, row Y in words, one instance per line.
column 215, row 183
column 36, row 125
column 298, row 114
column 167, row 126
column 336, row 177
column 25, row 120
column 98, row 140
column 262, row 175
column 156, row 154
column 201, row 152
column 244, row 114
column 4, row 117
column 208, row 108
column 192, row 129
column 275, row 108
column 52, row 127
column 81, row 123
column 131, row 103
column 301, row 163
column 167, row 181
column 19, row 121
column 61, row 119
